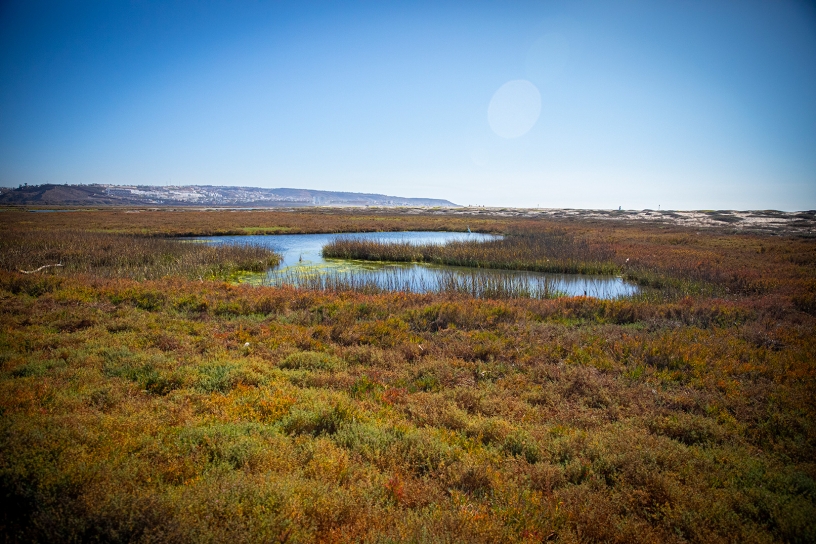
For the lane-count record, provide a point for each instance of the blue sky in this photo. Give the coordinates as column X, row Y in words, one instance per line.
column 682, row 105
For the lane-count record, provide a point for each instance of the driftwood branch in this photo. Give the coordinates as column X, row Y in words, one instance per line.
column 40, row 268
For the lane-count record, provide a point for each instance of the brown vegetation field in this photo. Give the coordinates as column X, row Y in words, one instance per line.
column 143, row 398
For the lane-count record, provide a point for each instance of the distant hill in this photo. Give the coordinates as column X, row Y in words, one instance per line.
column 198, row 195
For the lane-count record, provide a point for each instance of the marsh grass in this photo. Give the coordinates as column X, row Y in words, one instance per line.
column 169, row 222
column 554, row 251
column 449, row 282
column 116, row 255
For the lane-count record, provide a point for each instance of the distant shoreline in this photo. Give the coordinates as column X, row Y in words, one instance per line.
column 796, row 223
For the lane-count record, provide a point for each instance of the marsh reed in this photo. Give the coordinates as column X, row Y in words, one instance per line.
column 124, row 256
column 553, row 251
column 451, row 282
column 486, row 284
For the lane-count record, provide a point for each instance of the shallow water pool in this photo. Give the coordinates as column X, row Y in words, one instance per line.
column 304, row 265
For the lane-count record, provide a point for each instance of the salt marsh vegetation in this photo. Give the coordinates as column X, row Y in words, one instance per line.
column 143, row 400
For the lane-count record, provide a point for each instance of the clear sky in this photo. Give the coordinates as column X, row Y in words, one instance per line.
column 682, row 105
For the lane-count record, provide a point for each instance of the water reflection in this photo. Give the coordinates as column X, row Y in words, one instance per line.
column 304, row 265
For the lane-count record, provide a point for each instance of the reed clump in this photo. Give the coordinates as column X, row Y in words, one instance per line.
column 551, row 250
column 447, row 282
column 117, row 255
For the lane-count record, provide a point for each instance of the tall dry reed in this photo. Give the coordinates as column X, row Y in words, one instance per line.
column 449, row 282
column 555, row 251
column 116, row 255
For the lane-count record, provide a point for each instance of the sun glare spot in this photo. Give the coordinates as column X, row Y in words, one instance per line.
column 514, row 108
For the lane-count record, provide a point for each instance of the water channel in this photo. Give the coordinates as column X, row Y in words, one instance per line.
column 303, row 264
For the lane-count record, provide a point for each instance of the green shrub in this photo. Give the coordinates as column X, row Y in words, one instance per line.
column 120, row 362
column 366, row 439
column 312, row 360
column 217, row 377
column 687, row 428
column 238, row 446
column 424, row 452
column 519, row 444
column 317, row 420
column 38, row 368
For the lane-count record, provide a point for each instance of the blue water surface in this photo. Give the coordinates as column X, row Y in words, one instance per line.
column 302, row 258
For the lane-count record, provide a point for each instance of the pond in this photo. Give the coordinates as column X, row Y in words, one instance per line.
column 304, row 265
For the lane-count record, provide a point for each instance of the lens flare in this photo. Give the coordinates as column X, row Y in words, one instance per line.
column 514, row 108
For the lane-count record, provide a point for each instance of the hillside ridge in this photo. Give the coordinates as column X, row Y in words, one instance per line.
column 199, row 195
